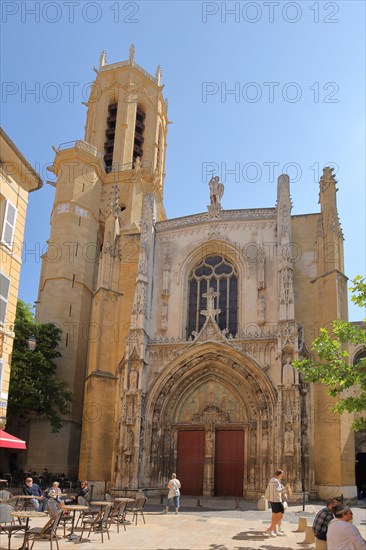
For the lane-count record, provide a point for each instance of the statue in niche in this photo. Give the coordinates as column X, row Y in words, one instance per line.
column 216, row 192
column 261, row 308
column 288, row 374
column 223, row 402
column 209, row 443
column 264, row 446
column 155, row 445
column 186, row 415
column 129, row 445
column 253, row 443
column 200, row 400
column 289, row 440
column 133, row 379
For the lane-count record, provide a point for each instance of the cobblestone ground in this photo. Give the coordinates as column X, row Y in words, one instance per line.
column 215, row 526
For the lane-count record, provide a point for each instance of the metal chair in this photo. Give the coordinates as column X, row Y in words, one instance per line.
column 118, row 514
column 53, row 507
column 92, row 512
column 138, row 508
column 99, row 523
column 5, row 495
column 7, row 524
column 49, row 530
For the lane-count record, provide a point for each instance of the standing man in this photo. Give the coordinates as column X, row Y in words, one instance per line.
column 32, row 489
column 174, row 494
column 342, row 535
column 274, row 495
column 323, row 518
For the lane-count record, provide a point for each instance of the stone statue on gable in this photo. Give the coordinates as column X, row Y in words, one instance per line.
column 216, row 193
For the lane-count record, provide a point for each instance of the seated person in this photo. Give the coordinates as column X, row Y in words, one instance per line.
column 32, row 489
column 323, row 518
column 342, row 534
column 82, row 492
column 54, row 491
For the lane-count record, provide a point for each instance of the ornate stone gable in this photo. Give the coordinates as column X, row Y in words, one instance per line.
column 218, row 215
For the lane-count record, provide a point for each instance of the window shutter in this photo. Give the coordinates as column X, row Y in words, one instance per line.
column 9, row 224
column 4, row 294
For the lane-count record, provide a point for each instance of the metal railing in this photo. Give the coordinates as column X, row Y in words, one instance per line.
column 83, row 145
column 116, row 167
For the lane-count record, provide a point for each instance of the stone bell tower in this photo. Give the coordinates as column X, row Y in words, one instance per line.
column 89, row 271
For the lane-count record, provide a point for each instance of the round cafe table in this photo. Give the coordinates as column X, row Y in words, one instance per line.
column 124, row 499
column 74, row 508
column 24, row 514
column 25, row 498
column 101, row 503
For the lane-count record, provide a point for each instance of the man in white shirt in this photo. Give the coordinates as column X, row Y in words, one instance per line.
column 342, row 535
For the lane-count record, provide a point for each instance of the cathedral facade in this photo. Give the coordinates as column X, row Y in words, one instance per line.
column 179, row 334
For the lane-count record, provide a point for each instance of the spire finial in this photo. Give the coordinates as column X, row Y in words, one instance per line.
column 132, row 54
column 158, row 74
column 102, row 59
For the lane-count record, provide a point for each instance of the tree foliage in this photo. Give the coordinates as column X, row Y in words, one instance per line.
column 34, row 386
column 333, row 368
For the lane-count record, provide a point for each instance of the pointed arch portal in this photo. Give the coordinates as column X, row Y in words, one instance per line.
column 211, row 413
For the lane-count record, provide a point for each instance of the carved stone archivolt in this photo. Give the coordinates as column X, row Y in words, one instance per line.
column 209, row 386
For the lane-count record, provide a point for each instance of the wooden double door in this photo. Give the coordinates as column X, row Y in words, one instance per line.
column 194, row 461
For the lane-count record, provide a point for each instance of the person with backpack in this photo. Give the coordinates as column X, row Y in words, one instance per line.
column 173, row 494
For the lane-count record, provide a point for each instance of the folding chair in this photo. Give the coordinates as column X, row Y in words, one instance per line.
column 99, row 523
column 138, row 508
column 49, row 530
column 7, row 524
column 53, row 507
column 118, row 514
column 5, row 495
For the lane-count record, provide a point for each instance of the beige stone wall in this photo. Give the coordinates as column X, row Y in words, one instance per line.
column 17, row 179
column 134, row 300
column 91, row 300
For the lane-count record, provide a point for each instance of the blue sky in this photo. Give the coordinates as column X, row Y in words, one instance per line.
column 297, row 74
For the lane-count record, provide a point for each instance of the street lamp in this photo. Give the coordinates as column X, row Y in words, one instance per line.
column 32, row 343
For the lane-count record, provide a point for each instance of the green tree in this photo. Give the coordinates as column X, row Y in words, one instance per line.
column 34, row 386
column 332, row 367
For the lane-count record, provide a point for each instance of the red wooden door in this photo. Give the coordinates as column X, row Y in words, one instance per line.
column 229, row 463
column 191, row 459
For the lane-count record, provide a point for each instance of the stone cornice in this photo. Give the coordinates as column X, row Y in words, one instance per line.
column 220, row 215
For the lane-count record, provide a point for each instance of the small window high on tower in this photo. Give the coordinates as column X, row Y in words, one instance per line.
column 110, row 135
column 139, row 134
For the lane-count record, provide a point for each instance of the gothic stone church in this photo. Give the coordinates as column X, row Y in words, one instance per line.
column 179, row 334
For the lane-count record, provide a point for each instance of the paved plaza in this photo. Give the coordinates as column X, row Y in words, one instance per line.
column 214, row 526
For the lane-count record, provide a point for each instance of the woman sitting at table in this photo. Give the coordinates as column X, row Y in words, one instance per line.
column 54, row 491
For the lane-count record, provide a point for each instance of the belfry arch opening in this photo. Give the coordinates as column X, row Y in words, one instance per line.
column 110, row 136
column 138, row 144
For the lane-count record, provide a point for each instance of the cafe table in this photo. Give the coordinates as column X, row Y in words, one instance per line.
column 101, row 503
column 74, row 508
column 27, row 514
column 26, row 498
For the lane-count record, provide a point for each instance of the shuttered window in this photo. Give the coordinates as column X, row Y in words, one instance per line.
column 8, row 226
column 4, row 295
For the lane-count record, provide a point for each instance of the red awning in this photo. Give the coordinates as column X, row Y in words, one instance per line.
column 10, row 441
